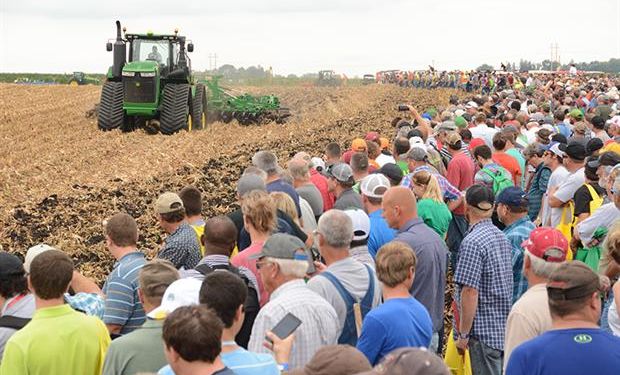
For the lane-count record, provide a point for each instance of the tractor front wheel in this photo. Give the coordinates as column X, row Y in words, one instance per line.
column 175, row 111
column 111, row 114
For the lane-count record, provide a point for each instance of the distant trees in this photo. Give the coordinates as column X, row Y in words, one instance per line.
column 484, row 68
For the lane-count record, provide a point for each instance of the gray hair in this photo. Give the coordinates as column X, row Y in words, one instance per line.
column 291, row 267
column 252, row 170
column 540, row 267
column 337, row 228
column 298, row 168
column 266, row 161
column 248, row 183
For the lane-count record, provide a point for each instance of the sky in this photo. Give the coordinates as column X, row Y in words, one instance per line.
column 353, row 37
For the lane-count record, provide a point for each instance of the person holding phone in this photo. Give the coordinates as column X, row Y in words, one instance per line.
column 282, row 264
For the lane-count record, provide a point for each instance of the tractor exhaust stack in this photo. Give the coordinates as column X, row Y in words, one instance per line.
column 120, row 53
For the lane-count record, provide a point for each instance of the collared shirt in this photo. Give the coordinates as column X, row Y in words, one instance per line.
column 430, row 280
column 460, row 174
column 516, row 233
column 449, row 191
column 380, row 232
column 181, row 248
column 537, row 190
column 484, row 264
column 58, row 340
column 319, row 327
column 215, row 260
column 122, row 305
column 88, row 303
column 141, row 351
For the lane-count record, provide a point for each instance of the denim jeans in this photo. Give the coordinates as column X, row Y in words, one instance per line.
column 484, row 359
column 434, row 342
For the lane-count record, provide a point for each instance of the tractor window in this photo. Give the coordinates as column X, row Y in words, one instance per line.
column 151, row 50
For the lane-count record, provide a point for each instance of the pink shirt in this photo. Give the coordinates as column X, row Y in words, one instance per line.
column 243, row 259
column 461, row 173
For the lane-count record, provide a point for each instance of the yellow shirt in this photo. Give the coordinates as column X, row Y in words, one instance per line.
column 58, row 340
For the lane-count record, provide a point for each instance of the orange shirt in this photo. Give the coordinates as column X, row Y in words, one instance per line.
column 510, row 164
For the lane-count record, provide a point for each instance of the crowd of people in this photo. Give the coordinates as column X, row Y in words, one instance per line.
column 339, row 263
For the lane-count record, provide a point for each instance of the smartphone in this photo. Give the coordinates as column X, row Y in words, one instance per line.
column 402, row 107
column 286, row 326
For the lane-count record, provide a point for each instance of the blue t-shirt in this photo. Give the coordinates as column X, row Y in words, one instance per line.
column 380, row 233
column 242, row 362
column 567, row 352
column 398, row 323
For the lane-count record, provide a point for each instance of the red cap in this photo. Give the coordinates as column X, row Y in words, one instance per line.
column 372, row 136
column 475, row 143
column 547, row 243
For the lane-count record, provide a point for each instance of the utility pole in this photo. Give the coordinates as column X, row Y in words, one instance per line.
column 555, row 53
column 212, row 61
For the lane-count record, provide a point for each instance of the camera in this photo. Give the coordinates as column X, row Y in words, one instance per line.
column 403, row 107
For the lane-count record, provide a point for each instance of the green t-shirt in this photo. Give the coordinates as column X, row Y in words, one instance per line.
column 435, row 214
column 141, row 351
column 403, row 167
column 58, row 340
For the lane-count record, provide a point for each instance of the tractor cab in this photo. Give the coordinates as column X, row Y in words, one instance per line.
column 160, row 54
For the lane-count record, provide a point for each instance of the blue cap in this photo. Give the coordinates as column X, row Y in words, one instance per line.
column 427, row 116
column 513, row 196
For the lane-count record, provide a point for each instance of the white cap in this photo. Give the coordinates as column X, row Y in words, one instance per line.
column 318, row 163
column 183, row 292
column 374, row 185
column 361, row 224
column 459, row 112
column 33, row 252
column 471, row 104
column 417, row 142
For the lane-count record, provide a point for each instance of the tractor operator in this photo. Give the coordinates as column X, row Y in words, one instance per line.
column 154, row 55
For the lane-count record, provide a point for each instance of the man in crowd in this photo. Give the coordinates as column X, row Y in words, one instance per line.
column 400, row 212
column 333, row 154
column 373, row 187
column 359, row 165
column 529, row 317
column 15, row 299
column 345, row 281
column 400, row 148
column 574, row 162
column 401, row 321
column 58, row 339
column 512, row 205
column 300, row 171
column 192, row 201
column 482, row 130
column 574, row 292
column 282, row 264
column 508, row 162
column 143, row 349
column 484, row 284
column 534, row 156
column 123, row 310
column 192, row 337
column 268, row 162
column 553, row 158
column 181, row 247
column 490, row 174
column 340, row 181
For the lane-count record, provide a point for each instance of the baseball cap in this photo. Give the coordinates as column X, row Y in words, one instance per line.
column 471, row 104
column 335, row 359
column 554, row 147
column 392, row 172
column 283, row 246
column 417, row 154
column 572, row 280
column 385, row 143
column 340, row 171
column 580, row 128
column 546, row 243
column 410, row 361
column 574, row 150
column 10, row 265
column 608, row 159
column 361, row 224
column 318, row 163
column 374, row 185
column 33, row 252
column 460, row 122
column 447, row 125
column 593, row 145
column 453, row 139
column 168, row 202
column 248, row 183
column 513, row 196
column 358, row 145
column 543, row 133
column 475, row 142
column 459, row 112
column 372, row 136
column 182, row 292
column 576, row 114
column 480, row 196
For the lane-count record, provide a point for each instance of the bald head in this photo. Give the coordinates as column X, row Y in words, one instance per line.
column 298, row 168
column 302, row 155
column 220, row 235
column 399, row 206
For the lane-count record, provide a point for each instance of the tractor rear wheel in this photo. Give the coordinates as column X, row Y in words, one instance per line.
column 111, row 114
column 175, row 111
column 199, row 117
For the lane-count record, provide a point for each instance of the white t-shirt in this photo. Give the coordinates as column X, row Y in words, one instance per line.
column 555, row 179
column 605, row 216
column 566, row 191
column 383, row 159
column 484, row 132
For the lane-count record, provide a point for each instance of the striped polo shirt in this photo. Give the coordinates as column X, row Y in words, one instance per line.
column 122, row 305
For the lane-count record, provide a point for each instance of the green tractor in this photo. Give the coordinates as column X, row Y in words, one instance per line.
column 152, row 86
column 328, row 78
column 79, row 78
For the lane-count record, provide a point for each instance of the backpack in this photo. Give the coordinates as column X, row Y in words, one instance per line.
column 500, row 180
column 356, row 310
column 251, row 305
column 13, row 322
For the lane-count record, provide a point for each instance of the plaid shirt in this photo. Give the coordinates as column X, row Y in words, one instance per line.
column 181, row 248
column 449, row 191
column 516, row 233
column 88, row 303
column 537, row 190
column 484, row 264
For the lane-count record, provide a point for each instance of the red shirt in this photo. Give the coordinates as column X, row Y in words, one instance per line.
column 243, row 259
column 510, row 164
column 461, row 172
column 320, row 182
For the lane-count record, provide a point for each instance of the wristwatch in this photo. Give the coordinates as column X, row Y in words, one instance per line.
column 463, row 336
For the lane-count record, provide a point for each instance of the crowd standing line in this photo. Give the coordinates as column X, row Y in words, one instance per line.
column 338, row 263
